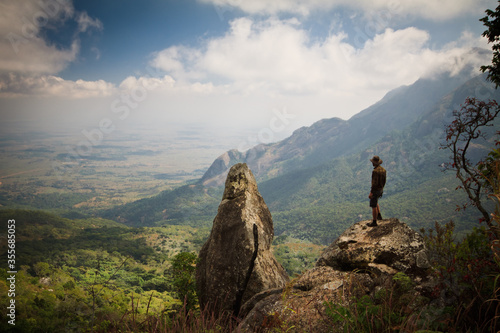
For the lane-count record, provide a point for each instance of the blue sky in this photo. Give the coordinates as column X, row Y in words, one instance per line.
column 237, row 63
column 135, row 30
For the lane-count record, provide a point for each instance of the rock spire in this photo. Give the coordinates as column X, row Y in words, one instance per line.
column 236, row 261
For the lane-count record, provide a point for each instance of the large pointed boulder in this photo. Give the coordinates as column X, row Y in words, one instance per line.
column 236, row 261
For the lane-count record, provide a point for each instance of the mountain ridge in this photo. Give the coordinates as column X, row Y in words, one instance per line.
column 334, row 137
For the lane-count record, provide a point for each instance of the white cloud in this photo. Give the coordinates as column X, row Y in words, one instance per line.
column 29, row 63
column 21, row 55
column 147, row 83
column 85, row 22
column 13, row 85
column 279, row 56
column 23, row 49
column 271, row 55
column 436, row 10
column 179, row 61
column 257, row 65
column 428, row 9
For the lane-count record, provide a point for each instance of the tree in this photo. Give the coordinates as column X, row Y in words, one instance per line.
column 42, row 269
column 490, row 168
column 183, row 278
column 461, row 134
column 492, row 21
column 467, row 126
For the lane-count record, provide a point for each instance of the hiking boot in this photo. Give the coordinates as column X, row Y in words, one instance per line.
column 379, row 216
column 372, row 224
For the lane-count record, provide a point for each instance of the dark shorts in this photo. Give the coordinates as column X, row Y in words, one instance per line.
column 374, row 200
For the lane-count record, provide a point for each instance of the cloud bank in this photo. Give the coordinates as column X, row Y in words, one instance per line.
column 279, row 57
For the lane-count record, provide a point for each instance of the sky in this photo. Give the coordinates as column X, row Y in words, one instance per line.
column 268, row 66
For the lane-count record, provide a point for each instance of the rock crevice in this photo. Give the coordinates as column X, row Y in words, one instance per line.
column 251, row 266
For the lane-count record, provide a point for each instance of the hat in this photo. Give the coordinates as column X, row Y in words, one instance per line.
column 376, row 160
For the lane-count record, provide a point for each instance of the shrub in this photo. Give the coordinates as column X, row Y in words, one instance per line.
column 395, row 308
column 464, row 272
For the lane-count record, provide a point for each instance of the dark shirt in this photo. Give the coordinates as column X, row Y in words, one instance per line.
column 378, row 179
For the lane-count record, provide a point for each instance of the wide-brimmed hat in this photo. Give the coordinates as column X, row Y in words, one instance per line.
column 376, row 160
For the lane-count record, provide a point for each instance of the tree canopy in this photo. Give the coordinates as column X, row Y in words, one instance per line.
column 492, row 22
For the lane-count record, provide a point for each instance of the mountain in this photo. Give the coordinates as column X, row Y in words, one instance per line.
column 319, row 201
column 331, row 138
column 316, row 182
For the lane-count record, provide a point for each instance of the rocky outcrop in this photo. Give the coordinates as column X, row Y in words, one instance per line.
column 301, row 304
column 389, row 248
column 360, row 262
column 236, row 261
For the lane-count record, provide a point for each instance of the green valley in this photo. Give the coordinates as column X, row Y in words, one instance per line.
column 98, row 274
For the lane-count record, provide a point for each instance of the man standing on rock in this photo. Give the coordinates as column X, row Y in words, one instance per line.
column 377, row 189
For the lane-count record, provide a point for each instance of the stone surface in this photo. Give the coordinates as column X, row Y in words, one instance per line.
column 391, row 247
column 236, row 261
column 301, row 304
column 360, row 262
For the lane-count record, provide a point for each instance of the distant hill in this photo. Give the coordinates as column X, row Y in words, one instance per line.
column 37, row 224
column 316, row 182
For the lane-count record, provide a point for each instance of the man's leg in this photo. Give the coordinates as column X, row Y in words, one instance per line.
column 375, row 208
column 375, row 212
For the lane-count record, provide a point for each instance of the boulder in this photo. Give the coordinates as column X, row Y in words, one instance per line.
column 360, row 262
column 301, row 304
column 390, row 247
column 236, row 261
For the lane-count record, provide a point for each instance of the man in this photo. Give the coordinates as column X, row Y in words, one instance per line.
column 377, row 189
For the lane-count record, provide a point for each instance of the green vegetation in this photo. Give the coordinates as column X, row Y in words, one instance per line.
column 96, row 275
column 294, row 255
column 492, row 22
column 182, row 273
column 87, row 274
column 465, row 271
column 99, row 275
column 393, row 308
column 187, row 205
